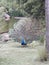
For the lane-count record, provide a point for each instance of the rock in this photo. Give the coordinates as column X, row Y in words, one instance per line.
column 5, row 37
column 35, row 44
column 7, row 17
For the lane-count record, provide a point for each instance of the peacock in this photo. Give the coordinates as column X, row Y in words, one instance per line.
column 23, row 42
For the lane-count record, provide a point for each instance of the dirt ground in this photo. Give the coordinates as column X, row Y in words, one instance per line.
column 12, row 53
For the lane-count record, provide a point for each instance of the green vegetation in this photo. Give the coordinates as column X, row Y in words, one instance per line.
column 34, row 8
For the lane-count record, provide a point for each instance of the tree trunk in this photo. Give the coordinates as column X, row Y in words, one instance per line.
column 47, row 25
